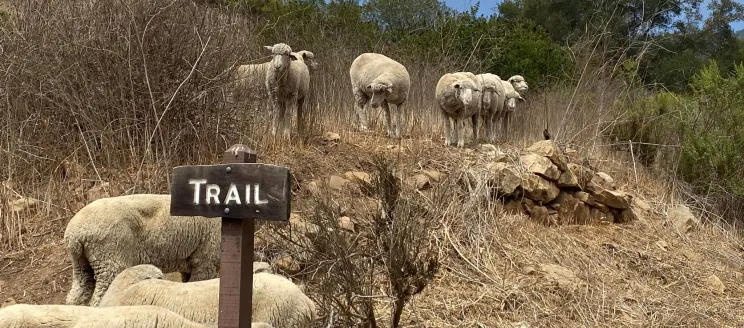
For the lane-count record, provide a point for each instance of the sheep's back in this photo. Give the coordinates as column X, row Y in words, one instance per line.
column 368, row 66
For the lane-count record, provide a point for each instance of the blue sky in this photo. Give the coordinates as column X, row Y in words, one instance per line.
column 488, row 7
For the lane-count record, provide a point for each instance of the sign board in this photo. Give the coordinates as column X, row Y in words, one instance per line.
column 239, row 190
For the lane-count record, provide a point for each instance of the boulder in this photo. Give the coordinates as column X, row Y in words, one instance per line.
column 583, row 174
column 548, row 149
column 313, row 188
column 505, row 178
column 539, row 189
column 541, row 166
column 514, row 207
column 539, row 214
column 568, row 180
column 682, row 219
column 715, row 285
column 434, row 175
column 331, row 137
column 358, row 176
column 419, row 181
column 612, row 198
column 337, row 182
column 572, row 210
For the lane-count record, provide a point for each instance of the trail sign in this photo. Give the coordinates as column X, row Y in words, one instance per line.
column 239, row 191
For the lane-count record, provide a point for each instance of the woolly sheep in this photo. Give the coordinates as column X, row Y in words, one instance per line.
column 287, row 83
column 112, row 234
column 78, row 316
column 458, row 96
column 381, row 81
column 513, row 86
column 276, row 300
column 492, row 104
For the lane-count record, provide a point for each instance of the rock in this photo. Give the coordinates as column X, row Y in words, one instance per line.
column 434, row 175
column 583, row 174
column 331, row 137
column 301, row 226
column 419, row 181
column 548, row 149
column 345, row 223
column 662, row 245
column 262, row 267
column 604, row 180
column 568, row 180
column 541, row 166
column 539, row 189
column 337, row 182
column 598, row 216
column 573, row 210
column 514, row 207
column 505, row 178
column 358, row 176
column 682, row 219
column 612, row 198
column 539, row 214
column 561, row 276
column 98, row 192
column 287, row 264
column 313, row 188
column 715, row 285
column 641, row 204
column 487, row 148
column 22, row 204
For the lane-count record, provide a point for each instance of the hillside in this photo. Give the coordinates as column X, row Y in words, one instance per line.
column 496, row 268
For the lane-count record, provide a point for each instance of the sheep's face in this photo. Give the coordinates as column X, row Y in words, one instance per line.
column 309, row 59
column 282, row 55
column 380, row 92
column 464, row 91
column 511, row 103
column 519, row 83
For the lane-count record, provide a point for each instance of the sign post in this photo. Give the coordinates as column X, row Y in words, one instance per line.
column 239, row 191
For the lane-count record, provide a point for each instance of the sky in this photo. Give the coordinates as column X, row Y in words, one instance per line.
column 488, row 7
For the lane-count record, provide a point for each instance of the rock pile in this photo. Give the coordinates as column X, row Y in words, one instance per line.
column 545, row 185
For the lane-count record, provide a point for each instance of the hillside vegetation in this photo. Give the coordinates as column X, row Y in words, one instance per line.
column 105, row 98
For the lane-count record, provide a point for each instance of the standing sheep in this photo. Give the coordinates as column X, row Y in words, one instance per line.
column 381, row 81
column 78, row 316
column 112, row 234
column 287, row 83
column 276, row 300
column 493, row 102
column 513, row 86
column 458, row 96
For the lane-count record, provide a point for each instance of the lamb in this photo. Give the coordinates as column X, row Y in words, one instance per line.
column 112, row 234
column 513, row 86
column 276, row 300
column 458, row 96
column 381, row 81
column 287, row 83
column 492, row 104
column 78, row 316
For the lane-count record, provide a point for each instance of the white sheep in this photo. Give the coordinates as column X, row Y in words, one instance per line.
column 276, row 300
column 458, row 96
column 381, row 81
column 513, row 86
column 112, row 234
column 492, row 104
column 287, row 83
column 79, row 316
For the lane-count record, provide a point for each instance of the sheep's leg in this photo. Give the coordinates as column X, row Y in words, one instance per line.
column 288, row 114
column 388, row 123
column 83, row 281
column 476, row 132
column 300, row 116
column 447, row 129
column 460, row 132
column 507, row 118
column 105, row 273
column 360, row 99
column 398, row 120
column 489, row 127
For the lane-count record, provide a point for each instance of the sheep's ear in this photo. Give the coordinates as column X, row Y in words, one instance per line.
column 389, row 89
column 269, row 47
column 293, row 56
column 521, row 99
column 457, row 85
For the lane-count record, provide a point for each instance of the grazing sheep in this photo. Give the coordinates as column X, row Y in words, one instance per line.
column 381, row 81
column 458, row 96
column 287, row 82
column 78, row 316
column 111, row 234
column 513, row 86
column 492, row 104
column 276, row 300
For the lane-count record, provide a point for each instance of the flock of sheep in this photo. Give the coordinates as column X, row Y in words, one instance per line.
column 120, row 246
column 382, row 81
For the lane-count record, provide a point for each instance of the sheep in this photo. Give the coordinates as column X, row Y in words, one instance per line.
column 79, row 316
column 276, row 300
column 381, row 81
column 492, row 103
column 458, row 97
column 513, row 86
column 112, row 234
column 287, row 83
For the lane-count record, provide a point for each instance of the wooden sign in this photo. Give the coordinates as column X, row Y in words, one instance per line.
column 239, row 191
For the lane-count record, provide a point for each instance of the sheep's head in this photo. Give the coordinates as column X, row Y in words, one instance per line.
column 380, row 91
column 282, row 55
column 519, row 83
column 309, row 59
column 464, row 90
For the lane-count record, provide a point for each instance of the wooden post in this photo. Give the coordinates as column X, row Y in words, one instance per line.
column 215, row 191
